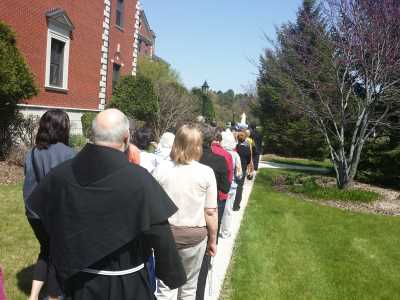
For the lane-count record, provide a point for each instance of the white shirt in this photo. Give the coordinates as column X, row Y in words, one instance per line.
column 191, row 187
column 148, row 161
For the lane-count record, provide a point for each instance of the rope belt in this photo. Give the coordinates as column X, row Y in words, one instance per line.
column 114, row 273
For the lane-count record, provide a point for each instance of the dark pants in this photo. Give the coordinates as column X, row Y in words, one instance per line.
column 44, row 270
column 239, row 192
column 221, row 209
column 256, row 160
column 205, row 265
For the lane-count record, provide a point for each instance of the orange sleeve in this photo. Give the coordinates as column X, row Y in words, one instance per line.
column 133, row 154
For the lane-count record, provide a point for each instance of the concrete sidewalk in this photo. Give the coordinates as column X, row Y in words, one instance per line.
column 221, row 261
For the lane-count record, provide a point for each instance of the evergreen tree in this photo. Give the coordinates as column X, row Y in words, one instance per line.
column 16, row 84
column 287, row 131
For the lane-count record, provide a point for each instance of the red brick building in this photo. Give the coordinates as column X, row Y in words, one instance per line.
column 147, row 37
column 76, row 49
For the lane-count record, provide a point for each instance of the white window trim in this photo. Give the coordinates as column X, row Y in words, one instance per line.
column 55, row 32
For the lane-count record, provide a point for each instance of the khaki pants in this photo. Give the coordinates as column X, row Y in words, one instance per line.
column 191, row 260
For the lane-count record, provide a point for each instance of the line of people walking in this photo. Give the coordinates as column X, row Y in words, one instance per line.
column 127, row 219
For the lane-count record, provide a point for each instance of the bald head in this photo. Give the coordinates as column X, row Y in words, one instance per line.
column 110, row 127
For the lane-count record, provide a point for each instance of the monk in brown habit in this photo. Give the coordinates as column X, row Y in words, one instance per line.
column 104, row 216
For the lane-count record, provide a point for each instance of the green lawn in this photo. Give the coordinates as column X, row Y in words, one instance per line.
column 18, row 246
column 292, row 249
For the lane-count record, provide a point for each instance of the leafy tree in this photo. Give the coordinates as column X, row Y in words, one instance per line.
column 176, row 106
column 16, row 84
column 344, row 78
column 135, row 96
column 157, row 70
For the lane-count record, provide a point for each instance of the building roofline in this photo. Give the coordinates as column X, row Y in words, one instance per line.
column 146, row 22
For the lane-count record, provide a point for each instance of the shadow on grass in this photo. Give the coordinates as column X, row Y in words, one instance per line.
column 24, row 279
column 24, row 282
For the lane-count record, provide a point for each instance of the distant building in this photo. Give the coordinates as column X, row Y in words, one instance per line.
column 76, row 49
column 147, row 37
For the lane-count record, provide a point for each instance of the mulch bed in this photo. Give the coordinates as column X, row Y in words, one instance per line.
column 10, row 173
column 387, row 204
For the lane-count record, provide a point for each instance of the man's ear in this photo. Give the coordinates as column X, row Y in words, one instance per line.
column 126, row 138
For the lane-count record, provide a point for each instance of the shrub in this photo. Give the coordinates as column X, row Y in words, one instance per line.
column 86, row 120
column 24, row 129
column 77, row 141
column 17, row 154
column 16, row 83
column 380, row 163
column 135, row 96
column 308, row 186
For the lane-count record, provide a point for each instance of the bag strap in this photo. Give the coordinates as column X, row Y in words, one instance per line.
column 35, row 170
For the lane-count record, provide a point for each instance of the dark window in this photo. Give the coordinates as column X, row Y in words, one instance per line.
column 57, row 62
column 116, row 75
column 120, row 13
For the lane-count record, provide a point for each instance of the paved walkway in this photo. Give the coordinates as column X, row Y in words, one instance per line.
column 273, row 165
column 225, row 246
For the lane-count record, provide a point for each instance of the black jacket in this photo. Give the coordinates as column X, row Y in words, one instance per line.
column 218, row 164
column 245, row 155
column 102, row 212
column 257, row 138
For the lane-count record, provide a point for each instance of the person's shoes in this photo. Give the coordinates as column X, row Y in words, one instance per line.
column 236, row 208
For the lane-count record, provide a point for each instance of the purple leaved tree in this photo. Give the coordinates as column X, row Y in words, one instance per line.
column 344, row 72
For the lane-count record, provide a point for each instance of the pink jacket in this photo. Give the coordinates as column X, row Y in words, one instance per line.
column 2, row 290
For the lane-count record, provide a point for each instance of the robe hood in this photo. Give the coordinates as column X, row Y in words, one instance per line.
column 95, row 162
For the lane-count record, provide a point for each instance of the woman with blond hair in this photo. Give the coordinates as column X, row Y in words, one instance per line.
column 192, row 187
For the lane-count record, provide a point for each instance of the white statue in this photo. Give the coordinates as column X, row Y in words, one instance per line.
column 243, row 120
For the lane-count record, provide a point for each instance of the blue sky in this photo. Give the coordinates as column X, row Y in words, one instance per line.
column 216, row 40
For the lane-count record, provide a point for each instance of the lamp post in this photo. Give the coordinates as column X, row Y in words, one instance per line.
column 204, row 90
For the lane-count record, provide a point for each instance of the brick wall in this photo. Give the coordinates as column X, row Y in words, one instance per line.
column 125, row 38
column 28, row 20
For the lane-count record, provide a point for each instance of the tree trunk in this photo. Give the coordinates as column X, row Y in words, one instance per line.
column 343, row 180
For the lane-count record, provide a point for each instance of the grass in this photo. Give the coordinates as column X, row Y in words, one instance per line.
column 291, row 249
column 18, row 246
column 327, row 164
